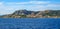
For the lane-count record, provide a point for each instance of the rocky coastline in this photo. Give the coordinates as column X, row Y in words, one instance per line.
column 33, row 14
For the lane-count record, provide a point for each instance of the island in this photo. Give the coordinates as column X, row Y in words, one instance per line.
column 33, row 14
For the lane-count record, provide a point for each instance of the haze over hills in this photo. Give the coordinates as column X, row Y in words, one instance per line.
column 33, row 14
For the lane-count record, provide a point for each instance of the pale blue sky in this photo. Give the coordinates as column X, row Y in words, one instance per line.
column 9, row 6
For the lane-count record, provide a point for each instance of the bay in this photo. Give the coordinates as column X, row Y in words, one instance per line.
column 29, row 23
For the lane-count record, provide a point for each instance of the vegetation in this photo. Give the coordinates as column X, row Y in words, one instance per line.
column 33, row 14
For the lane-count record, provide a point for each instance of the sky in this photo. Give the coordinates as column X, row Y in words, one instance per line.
column 9, row 6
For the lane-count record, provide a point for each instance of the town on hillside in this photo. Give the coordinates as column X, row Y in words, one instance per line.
column 33, row 14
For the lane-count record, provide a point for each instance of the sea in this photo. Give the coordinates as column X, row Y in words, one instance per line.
column 29, row 23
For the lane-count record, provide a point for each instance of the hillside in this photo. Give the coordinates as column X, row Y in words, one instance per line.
column 33, row 14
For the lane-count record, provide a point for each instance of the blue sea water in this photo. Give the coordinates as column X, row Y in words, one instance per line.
column 29, row 23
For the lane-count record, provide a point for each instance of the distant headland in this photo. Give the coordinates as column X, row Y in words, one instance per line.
column 33, row 14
